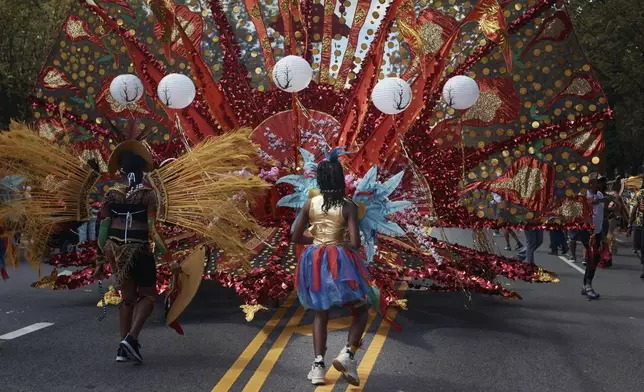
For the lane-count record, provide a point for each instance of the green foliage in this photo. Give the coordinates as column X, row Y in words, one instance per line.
column 612, row 33
column 29, row 28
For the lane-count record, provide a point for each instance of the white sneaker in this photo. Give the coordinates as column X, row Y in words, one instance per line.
column 316, row 375
column 346, row 364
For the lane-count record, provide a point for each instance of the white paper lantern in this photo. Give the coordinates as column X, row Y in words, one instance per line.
column 176, row 91
column 461, row 92
column 391, row 95
column 292, row 74
column 126, row 89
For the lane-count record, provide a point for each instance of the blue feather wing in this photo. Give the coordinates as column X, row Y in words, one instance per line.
column 302, row 186
column 307, row 156
column 293, row 179
column 388, row 187
column 368, row 181
column 375, row 196
column 381, row 225
column 294, row 200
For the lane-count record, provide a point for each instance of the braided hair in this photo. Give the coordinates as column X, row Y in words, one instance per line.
column 330, row 176
column 132, row 163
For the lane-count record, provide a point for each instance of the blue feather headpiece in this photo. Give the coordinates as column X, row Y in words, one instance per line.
column 334, row 154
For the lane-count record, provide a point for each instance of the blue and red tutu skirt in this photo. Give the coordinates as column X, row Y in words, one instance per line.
column 329, row 276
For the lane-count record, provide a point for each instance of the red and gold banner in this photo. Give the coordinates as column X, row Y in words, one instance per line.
column 356, row 109
column 255, row 12
column 489, row 15
column 584, row 142
column 555, row 28
column 191, row 23
column 359, row 19
column 544, row 118
column 287, row 19
column 498, row 103
column 528, row 182
column 78, row 30
column 327, row 39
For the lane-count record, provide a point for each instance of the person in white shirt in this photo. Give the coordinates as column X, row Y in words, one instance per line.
column 593, row 246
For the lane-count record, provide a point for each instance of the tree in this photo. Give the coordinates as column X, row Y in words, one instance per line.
column 612, row 33
column 29, row 28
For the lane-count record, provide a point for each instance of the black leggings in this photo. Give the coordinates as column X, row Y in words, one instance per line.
column 591, row 265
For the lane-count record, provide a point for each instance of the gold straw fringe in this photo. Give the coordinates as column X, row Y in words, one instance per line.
column 206, row 194
column 56, row 174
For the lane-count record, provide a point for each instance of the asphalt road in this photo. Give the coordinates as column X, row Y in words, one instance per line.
column 552, row 340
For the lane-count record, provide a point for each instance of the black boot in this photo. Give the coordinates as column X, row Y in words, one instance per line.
column 642, row 275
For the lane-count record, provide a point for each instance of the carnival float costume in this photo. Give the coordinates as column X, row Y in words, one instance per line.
column 532, row 137
column 201, row 191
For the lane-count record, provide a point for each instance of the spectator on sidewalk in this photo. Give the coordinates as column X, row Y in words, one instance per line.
column 636, row 225
column 496, row 199
column 533, row 239
column 506, row 235
column 87, row 230
column 558, row 242
column 575, row 236
column 500, row 212
column 617, row 214
column 637, row 239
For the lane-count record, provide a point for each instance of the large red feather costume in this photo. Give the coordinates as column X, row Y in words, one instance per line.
column 532, row 138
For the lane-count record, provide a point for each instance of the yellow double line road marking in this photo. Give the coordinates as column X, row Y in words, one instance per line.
column 378, row 341
column 262, row 372
column 369, row 359
column 332, row 375
column 266, row 366
column 247, row 355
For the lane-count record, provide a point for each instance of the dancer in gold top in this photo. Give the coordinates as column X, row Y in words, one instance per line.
column 330, row 272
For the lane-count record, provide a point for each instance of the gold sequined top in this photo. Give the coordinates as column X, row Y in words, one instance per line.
column 327, row 228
